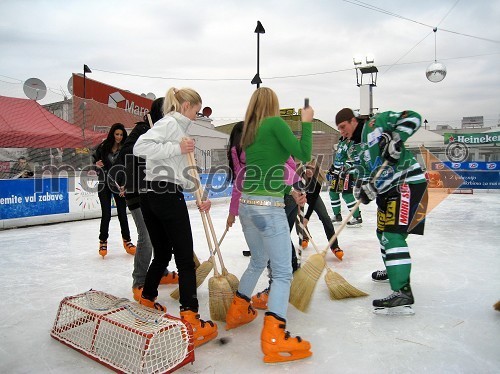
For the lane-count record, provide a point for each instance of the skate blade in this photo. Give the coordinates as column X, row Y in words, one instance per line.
column 278, row 357
column 380, row 281
column 355, row 225
column 404, row 310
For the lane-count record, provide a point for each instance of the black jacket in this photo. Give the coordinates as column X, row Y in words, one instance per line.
column 133, row 167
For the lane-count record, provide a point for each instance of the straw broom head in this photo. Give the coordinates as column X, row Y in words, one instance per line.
column 202, row 272
column 196, row 261
column 339, row 287
column 304, row 281
column 220, row 296
column 233, row 281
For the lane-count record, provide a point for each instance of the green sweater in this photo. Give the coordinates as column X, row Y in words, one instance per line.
column 266, row 156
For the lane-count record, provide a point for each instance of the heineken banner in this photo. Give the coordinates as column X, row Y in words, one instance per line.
column 472, row 138
column 476, row 175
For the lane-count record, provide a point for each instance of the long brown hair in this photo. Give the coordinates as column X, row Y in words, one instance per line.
column 318, row 174
column 263, row 103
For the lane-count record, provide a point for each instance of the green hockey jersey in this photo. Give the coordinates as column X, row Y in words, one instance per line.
column 407, row 169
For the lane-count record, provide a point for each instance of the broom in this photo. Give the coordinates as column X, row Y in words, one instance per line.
column 231, row 278
column 219, row 291
column 304, row 282
column 339, row 288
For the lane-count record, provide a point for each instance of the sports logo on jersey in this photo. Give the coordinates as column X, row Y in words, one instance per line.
column 491, row 166
column 473, row 165
column 404, row 208
column 374, row 136
column 372, row 122
column 390, row 213
column 456, row 165
column 380, row 220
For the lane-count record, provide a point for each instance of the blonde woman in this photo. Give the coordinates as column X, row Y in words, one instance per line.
column 165, row 149
column 268, row 142
column 315, row 178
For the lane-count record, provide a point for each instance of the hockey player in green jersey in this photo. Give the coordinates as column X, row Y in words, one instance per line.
column 342, row 183
column 400, row 193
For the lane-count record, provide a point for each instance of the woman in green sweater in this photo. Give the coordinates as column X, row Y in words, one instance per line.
column 268, row 142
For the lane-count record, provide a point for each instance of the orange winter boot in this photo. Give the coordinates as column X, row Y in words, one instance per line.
column 339, row 253
column 137, row 292
column 240, row 312
column 170, row 278
column 203, row 331
column 129, row 247
column 103, row 248
column 259, row 301
column 305, row 243
column 277, row 344
column 151, row 303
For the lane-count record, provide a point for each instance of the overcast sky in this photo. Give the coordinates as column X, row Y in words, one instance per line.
column 307, row 51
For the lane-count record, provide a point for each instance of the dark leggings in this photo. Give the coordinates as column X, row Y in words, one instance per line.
column 121, row 207
column 167, row 219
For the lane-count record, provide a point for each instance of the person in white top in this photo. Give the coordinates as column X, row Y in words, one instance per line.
column 165, row 148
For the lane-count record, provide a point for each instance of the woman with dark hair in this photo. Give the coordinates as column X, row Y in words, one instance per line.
column 104, row 158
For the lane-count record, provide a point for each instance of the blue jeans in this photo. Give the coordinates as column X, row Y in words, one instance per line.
column 268, row 238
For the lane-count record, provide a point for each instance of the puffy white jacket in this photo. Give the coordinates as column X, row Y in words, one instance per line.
column 161, row 148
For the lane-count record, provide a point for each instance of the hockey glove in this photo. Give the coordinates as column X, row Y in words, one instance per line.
column 365, row 191
column 390, row 146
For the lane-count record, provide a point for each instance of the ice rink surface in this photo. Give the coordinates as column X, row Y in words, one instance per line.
column 455, row 281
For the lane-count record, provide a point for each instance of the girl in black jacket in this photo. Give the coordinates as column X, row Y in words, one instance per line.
column 104, row 158
column 315, row 178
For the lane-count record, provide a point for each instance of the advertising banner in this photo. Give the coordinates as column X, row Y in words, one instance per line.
column 472, row 138
column 33, row 197
column 476, row 175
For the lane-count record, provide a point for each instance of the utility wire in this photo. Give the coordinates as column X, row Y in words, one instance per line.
column 380, row 10
column 425, row 37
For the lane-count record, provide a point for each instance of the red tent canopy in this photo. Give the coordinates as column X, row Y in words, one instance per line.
column 26, row 124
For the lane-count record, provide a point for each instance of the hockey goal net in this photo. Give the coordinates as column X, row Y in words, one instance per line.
column 123, row 335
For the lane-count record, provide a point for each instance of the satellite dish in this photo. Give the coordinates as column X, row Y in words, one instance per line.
column 436, row 72
column 70, row 85
column 151, row 96
column 207, row 111
column 35, row 89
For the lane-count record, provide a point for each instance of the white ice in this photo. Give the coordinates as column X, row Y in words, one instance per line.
column 455, row 280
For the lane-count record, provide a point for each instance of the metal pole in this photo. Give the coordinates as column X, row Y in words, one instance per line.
column 258, row 54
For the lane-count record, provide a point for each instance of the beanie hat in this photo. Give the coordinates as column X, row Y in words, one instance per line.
column 345, row 114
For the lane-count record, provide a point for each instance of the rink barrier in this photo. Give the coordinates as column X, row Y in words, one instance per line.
column 38, row 201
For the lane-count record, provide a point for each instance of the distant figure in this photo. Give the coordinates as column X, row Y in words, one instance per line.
column 104, row 158
column 21, row 169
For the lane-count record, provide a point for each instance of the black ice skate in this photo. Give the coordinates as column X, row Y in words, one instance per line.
column 398, row 303
column 355, row 222
column 380, row 276
column 337, row 218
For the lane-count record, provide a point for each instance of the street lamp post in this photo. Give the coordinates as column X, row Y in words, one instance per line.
column 86, row 70
column 370, row 71
column 258, row 30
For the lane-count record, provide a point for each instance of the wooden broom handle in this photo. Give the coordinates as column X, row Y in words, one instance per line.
column 192, row 163
column 194, row 174
column 356, row 206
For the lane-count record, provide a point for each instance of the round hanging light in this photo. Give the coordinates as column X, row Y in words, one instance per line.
column 436, row 72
